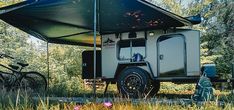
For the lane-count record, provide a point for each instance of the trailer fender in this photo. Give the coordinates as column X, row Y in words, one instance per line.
column 142, row 65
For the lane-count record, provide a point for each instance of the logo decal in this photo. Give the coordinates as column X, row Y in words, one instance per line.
column 108, row 43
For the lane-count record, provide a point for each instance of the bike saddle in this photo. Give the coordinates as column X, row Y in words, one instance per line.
column 22, row 64
column 14, row 67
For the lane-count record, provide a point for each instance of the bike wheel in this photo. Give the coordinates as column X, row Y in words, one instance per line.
column 1, row 82
column 34, row 81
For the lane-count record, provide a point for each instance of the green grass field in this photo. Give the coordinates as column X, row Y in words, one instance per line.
column 21, row 100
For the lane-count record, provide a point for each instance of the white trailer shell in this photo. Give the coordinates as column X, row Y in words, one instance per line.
column 181, row 50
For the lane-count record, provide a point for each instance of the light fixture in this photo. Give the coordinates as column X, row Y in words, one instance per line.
column 151, row 33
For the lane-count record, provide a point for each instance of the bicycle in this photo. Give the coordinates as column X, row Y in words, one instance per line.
column 1, row 82
column 16, row 79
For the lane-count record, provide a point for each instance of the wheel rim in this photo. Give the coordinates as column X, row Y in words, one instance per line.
column 1, row 82
column 132, row 83
column 27, row 83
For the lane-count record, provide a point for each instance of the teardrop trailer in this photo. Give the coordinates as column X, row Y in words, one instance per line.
column 141, row 44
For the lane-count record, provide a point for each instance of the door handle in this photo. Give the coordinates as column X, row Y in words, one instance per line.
column 161, row 57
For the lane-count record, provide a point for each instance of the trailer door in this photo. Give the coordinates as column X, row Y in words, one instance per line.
column 171, row 56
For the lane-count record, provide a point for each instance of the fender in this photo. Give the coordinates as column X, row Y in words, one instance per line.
column 121, row 66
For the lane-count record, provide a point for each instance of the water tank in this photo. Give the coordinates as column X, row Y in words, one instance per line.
column 209, row 70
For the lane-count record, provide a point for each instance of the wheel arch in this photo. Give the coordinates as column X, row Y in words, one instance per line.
column 142, row 65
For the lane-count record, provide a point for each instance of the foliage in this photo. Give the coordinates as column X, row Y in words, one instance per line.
column 218, row 38
column 166, row 86
column 174, row 6
column 8, row 2
column 64, row 61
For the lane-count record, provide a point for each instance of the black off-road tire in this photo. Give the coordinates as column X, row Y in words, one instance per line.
column 1, row 82
column 132, row 82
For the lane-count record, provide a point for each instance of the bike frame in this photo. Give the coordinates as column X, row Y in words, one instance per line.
column 13, row 73
column 16, row 75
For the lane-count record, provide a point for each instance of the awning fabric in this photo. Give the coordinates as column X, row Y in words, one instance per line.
column 71, row 21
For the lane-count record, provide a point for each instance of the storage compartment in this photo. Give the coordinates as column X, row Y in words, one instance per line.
column 87, row 64
column 209, row 70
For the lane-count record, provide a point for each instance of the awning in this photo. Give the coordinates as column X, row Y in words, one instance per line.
column 71, row 21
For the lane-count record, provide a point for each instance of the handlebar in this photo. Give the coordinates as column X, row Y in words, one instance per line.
column 6, row 56
column 22, row 65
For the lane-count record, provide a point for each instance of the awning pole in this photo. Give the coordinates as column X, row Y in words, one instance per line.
column 48, row 65
column 94, row 47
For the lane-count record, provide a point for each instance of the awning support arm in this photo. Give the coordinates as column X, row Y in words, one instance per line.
column 65, row 36
column 94, row 47
column 48, row 64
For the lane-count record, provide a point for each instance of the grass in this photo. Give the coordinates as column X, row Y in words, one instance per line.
column 10, row 100
column 25, row 104
column 21, row 100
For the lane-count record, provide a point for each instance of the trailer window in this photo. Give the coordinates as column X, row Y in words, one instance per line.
column 127, row 48
column 124, row 50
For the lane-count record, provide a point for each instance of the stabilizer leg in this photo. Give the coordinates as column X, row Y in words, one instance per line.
column 107, row 84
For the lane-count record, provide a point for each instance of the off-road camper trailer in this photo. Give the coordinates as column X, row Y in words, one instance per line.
column 137, row 59
column 141, row 43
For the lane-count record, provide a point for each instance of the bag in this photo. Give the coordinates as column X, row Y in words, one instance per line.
column 204, row 90
column 137, row 57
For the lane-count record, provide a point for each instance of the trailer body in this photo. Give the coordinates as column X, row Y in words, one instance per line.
column 166, row 54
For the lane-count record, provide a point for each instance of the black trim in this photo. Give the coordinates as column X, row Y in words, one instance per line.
column 190, row 79
column 111, row 80
column 178, row 80
column 146, row 35
column 149, row 67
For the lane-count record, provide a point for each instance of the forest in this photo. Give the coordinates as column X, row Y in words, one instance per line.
column 216, row 45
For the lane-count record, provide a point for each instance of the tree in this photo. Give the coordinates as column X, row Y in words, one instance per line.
column 219, row 36
column 174, row 6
